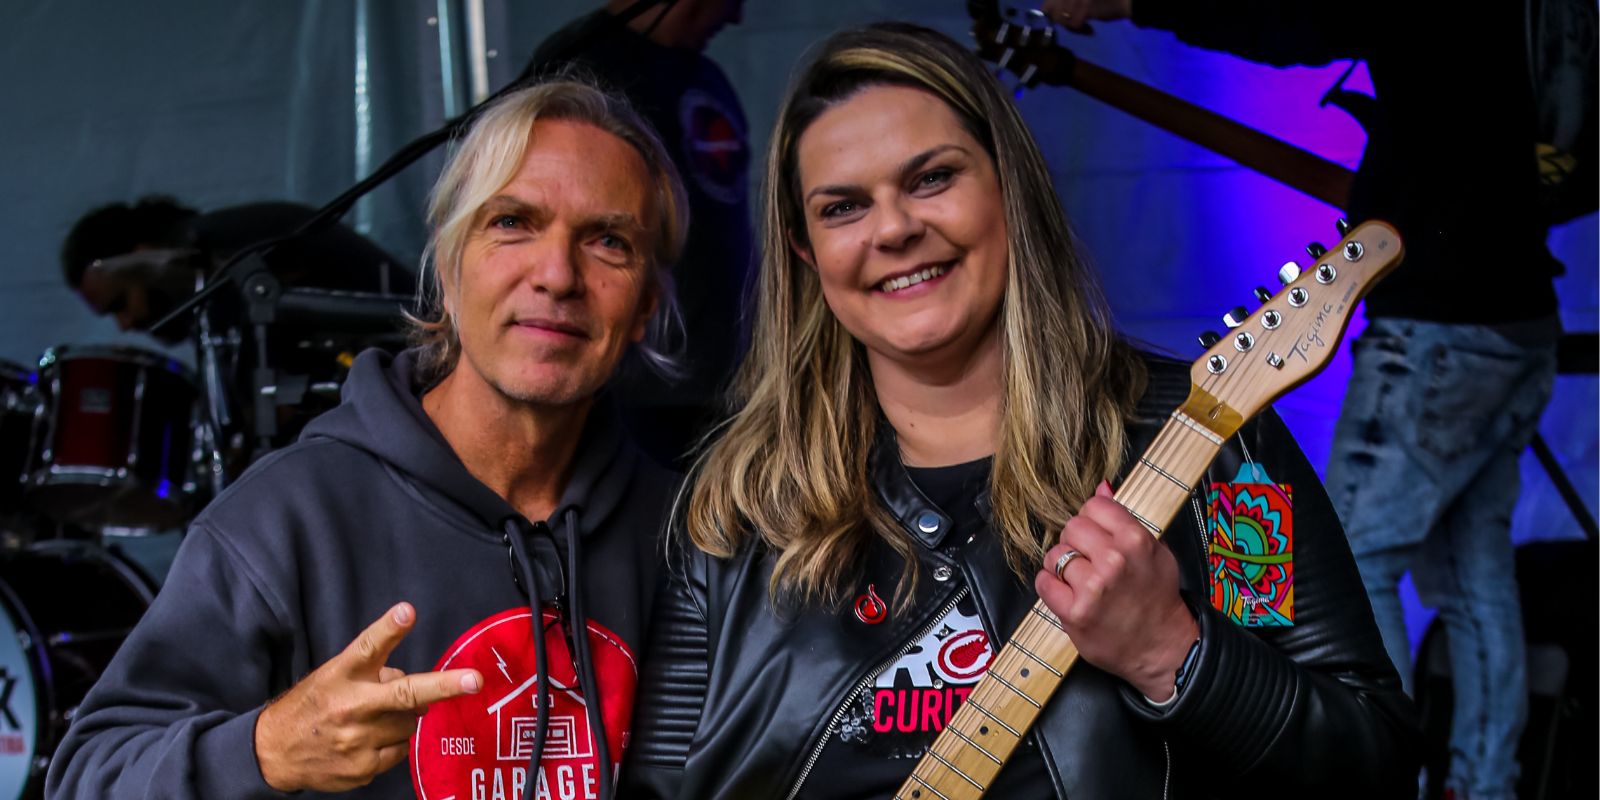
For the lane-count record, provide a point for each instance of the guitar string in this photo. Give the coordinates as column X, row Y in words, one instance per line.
column 1139, row 490
column 1042, row 639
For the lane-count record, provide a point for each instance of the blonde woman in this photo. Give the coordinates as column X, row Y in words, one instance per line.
column 933, row 404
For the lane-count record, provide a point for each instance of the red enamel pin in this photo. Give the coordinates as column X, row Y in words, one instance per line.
column 870, row 608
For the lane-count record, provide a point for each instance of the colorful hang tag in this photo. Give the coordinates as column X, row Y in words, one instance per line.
column 1251, row 532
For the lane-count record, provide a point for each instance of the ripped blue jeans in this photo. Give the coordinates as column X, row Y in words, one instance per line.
column 1423, row 472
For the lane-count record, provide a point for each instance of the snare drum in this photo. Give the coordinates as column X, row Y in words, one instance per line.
column 19, row 406
column 117, row 446
column 65, row 608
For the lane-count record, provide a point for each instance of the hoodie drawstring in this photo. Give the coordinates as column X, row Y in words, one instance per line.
column 593, row 704
column 541, row 658
column 577, row 630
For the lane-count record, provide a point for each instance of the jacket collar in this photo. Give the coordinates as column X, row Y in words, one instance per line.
column 926, row 522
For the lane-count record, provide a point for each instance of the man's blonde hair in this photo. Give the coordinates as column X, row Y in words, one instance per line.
column 487, row 158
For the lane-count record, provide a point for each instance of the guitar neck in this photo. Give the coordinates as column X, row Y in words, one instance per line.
column 965, row 758
column 1270, row 156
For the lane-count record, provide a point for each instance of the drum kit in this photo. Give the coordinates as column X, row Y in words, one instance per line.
column 96, row 437
column 102, row 443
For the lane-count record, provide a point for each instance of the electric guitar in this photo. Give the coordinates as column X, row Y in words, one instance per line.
column 1031, row 51
column 1290, row 338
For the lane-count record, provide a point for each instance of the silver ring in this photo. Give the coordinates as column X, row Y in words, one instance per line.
column 1063, row 561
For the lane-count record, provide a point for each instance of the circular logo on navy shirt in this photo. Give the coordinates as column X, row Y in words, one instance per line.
column 714, row 146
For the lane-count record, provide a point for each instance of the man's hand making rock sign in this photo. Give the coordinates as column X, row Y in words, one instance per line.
column 349, row 720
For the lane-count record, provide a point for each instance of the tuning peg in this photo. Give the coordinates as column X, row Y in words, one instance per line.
column 1316, row 250
column 1209, row 338
column 1288, row 272
column 1236, row 317
column 1344, row 227
column 1262, row 295
column 1002, row 33
column 1005, row 58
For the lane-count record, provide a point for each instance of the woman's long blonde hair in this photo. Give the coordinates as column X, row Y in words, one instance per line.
column 790, row 468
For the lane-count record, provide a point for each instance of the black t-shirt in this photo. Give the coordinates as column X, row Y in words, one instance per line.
column 1450, row 155
column 889, row 724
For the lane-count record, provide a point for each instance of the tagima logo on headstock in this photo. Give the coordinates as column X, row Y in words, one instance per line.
column 477, row 747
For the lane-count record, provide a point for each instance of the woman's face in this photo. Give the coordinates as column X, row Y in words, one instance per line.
column 906, row 225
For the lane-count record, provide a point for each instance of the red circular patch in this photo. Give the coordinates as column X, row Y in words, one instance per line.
column 714, row 146
column 477, row 746
column 965, row 656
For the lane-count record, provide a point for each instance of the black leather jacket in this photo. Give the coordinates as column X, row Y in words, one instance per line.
column 737, row 700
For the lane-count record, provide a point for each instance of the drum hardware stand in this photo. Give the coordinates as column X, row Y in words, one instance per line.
column 290, row 390
column 262, row 294
column 1575, row 355
column 218, row 416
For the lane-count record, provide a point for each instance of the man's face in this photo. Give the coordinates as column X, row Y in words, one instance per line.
column 554, row 278
column 139, row 287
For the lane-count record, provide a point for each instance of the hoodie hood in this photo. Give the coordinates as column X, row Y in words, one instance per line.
column 381, row 413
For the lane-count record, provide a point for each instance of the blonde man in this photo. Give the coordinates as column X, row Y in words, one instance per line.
column 473, row 496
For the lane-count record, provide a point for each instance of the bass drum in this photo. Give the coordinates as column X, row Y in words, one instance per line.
column 65, row 608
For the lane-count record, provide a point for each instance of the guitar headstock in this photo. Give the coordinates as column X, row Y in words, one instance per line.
column 1295, row 332
column 1024, row 43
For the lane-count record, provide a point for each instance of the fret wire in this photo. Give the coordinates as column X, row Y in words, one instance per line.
column 1154, row 528
column 990, row 715
column 1141, row 489
column 1169, row 447
column 918, row 779
column 953, row 729
column 1054, row 623
column 991, row 694
column 953, row 768
column 1165, row 474
column 1031, row 648
column 1051, row 643
column 1007, row 684
column 1037, row 660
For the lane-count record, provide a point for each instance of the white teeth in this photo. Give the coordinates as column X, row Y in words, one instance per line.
column 896, row 284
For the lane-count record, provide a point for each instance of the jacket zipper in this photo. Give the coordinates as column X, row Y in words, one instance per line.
column 861, row 685
column 838, row 714
column 1166, row 782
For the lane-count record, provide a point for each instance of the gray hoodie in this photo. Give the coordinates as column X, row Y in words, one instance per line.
column 312, row 544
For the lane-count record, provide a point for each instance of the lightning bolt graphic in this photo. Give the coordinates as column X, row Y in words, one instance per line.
column 500, row 661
